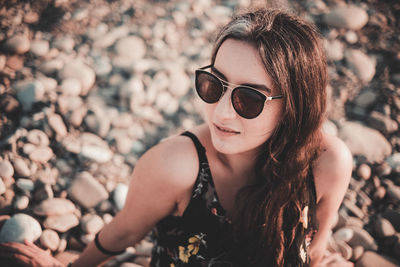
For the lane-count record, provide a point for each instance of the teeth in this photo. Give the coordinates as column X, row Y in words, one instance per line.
column 225, row 130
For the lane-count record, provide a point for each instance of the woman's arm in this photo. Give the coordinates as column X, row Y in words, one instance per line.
column 160, row 177
column 332, row 173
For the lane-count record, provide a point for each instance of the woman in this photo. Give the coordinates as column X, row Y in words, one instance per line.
column 256, row 183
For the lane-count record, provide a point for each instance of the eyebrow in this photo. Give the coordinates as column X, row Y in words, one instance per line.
column 261, row 87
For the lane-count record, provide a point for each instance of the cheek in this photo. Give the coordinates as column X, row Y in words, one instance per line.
column 208, row 110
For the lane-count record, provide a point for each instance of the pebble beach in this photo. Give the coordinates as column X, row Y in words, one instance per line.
column 86, row 87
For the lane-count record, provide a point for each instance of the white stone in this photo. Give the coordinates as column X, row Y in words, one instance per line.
column 54, row 206
column 38, row 138
column 39, row 47
column 25, row 184
column 349, row 17
column 41, row 154
column 96, row 153
column 21, row 168
column 2, row 187
column 362, row 65
column 119, row 195
column 91, row 223
column 20, row 227
column 50, row 239
column 78, row 70
column 61, row 223
column 6, row 169
column 132, row 47
column 363, row 140
column 70, row 86
column 57, row 124
column 21, row 202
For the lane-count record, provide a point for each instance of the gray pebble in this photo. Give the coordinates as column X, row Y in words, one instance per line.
column 20, row 227
column 25, row 184
column 87, row 191
column 29, row 93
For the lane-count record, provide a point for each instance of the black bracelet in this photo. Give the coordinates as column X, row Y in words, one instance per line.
column 103, row 250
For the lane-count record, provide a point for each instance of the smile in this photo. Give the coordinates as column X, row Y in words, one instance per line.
column 225, row 131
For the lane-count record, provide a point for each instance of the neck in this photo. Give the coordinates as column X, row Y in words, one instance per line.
column 240, row 165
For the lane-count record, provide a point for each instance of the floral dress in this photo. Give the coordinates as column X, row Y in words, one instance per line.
column 202, row 236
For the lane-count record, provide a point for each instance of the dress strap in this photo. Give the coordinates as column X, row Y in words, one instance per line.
column 201, row 151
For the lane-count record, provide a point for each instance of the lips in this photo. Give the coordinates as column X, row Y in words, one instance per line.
column 225, row 129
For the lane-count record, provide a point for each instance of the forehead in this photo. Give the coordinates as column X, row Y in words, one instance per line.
column 240, row 62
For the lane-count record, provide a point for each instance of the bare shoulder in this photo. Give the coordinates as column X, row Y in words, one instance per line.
column 332, row 170
column 172, row 162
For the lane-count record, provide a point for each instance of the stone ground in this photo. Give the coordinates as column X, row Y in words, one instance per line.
column 87, row 86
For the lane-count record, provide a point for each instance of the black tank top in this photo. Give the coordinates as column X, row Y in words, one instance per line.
column 203, row 235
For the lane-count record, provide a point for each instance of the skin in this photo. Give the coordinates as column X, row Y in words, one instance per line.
column 162, row 181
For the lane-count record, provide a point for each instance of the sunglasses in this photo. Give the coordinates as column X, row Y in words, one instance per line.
column 248, row 102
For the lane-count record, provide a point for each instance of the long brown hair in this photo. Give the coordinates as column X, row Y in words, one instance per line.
column 268, row 212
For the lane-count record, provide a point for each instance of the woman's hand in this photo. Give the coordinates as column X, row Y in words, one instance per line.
column 335, row 260
column 27, row 254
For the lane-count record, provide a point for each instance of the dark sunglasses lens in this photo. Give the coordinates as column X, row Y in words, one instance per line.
column 208, row 87
column 248, row 103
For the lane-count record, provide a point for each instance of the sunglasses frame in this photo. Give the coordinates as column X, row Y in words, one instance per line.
column 226, row 84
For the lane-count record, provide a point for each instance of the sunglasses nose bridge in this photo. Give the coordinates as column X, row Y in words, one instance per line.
column 224, row 107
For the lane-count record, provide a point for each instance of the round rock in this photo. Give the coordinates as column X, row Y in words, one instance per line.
column 362, row 65
column 21, row 168
column 29, row 92
column 78, row 70
column 132, row 47
column 364, row 171
column 61, row 223
column 20, row 227
column 384, row 228
column 349, row 17
column 54, row 206
column 91, row 223
column 363, row 140
column 39, row 47
column 18, row 44
column 38, row 137
column 119, row 195
column 41, row 154
column 50, row 239
column 6, row 169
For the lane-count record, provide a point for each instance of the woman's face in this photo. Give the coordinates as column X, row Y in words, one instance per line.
column 238, row 62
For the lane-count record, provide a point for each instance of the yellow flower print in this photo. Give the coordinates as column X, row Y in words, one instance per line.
column 184, row 254
column 304, row 217
column 192, row 249
column 194, row 245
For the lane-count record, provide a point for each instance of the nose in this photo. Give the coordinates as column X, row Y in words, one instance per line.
column 224, row 109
